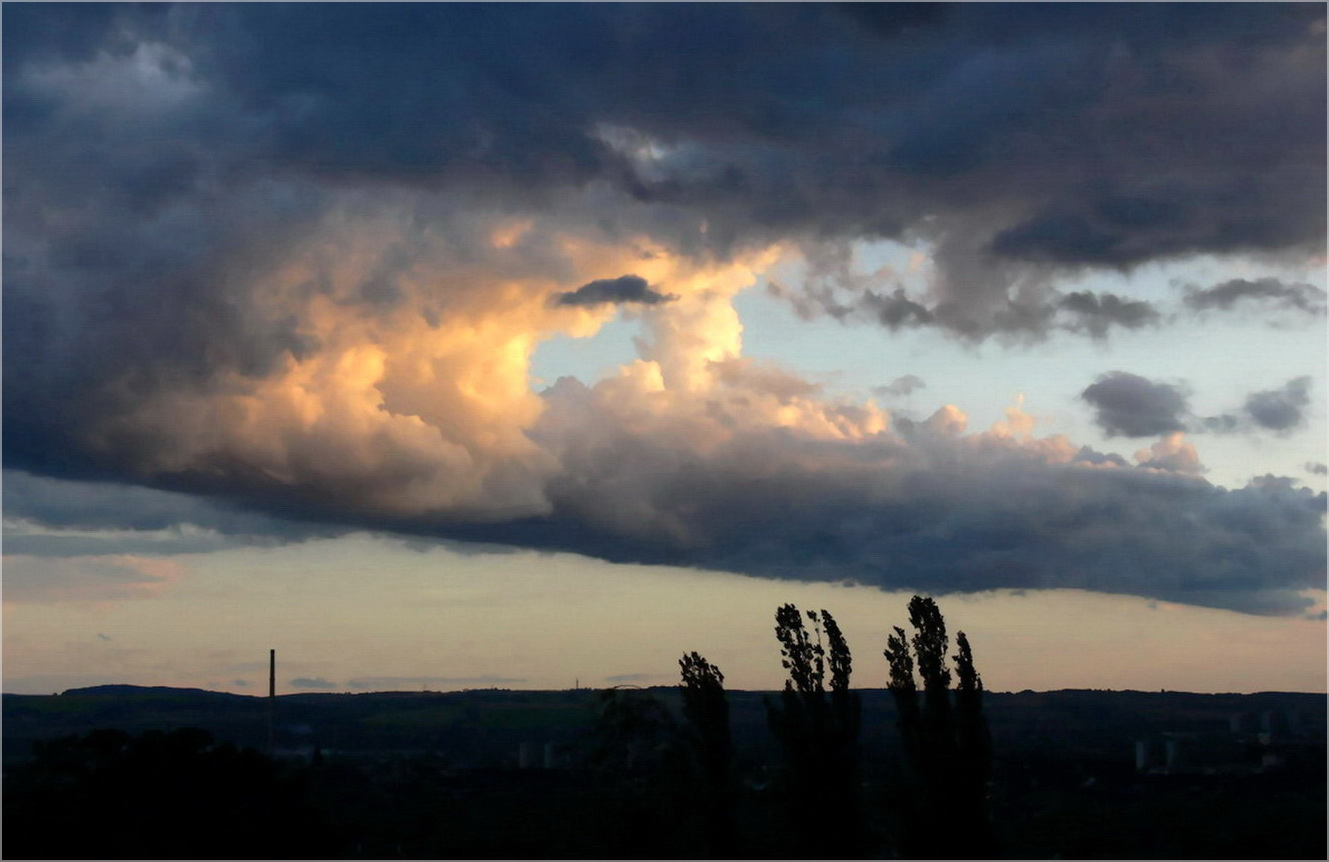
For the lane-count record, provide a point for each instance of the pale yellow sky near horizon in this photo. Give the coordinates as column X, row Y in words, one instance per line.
column 363, row 613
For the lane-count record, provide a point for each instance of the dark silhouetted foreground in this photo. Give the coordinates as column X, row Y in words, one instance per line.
column 693, row 771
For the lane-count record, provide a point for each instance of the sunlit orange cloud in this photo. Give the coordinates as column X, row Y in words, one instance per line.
column 1172, row 452
column 417, row 398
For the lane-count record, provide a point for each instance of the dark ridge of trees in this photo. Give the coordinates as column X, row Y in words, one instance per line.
column 818, row 735
column 159, row 795
column 947, row 745
column 647, row 786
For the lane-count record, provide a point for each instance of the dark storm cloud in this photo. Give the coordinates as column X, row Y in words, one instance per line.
column 158, row 156
column 165, row 164
column 1133, row 406
column 1299, row 297
column 1084, row 135
column 1280, row 409
column 624, row 290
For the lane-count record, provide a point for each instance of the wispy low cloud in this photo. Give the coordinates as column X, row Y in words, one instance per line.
column 87, row 579
column 1265, row 291
column 1027, row 319
column 624, row 290
column 635, row 678
column 403, row 683
column 317, row 683
column 1096, row 313
column 900, row 386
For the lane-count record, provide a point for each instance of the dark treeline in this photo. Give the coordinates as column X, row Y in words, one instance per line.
column 688, row 773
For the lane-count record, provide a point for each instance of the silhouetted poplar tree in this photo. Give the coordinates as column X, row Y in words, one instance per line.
column 706, row 711
column 947, row 744
column 819, row 736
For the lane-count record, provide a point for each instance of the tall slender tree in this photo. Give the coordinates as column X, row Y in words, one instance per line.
column 706, row 711
column 947, row 744
column 819, row 736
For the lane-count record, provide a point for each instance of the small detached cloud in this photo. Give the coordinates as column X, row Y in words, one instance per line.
column 1316, row 468
column 899, row 386
column 896, row 310
column 317, row 683
column 1128, row 405
column 1282, row 409
column 1269, row 291
column 624, row 290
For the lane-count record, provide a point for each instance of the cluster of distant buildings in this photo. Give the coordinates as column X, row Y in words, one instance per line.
column 1253, row 742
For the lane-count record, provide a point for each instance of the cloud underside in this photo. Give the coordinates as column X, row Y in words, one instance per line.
column 931, row 509
column 295, row 291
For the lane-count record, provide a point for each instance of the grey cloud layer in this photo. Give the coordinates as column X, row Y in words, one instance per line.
column 183, row 183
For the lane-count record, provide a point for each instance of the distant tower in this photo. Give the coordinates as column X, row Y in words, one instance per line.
column 272, row 696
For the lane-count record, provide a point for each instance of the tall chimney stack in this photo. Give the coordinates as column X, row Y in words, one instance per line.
column 272, row 697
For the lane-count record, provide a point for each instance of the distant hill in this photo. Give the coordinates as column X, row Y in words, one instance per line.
column 145, row 691
column 486, row 727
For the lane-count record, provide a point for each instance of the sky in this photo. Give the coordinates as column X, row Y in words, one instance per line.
column 444, row 346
